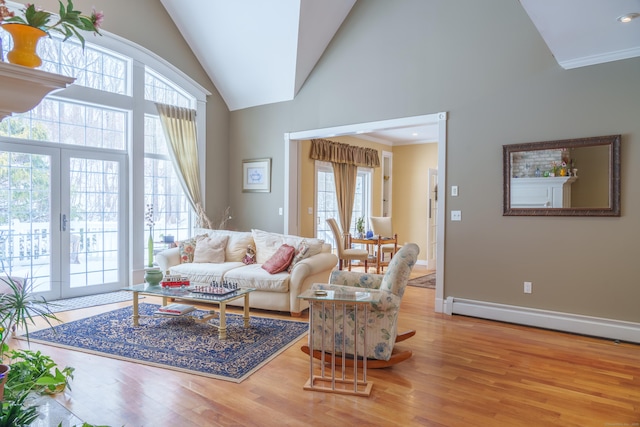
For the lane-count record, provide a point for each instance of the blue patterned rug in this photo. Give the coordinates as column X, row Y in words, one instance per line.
column 178, row 343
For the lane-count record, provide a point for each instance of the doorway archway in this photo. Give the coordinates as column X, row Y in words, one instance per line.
column 291, row 179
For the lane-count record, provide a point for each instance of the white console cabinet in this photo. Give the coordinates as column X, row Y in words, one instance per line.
column 552, row 192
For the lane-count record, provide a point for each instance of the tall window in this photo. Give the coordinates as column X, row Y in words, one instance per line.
column 327, row 203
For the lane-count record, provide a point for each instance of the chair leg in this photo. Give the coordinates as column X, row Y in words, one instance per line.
column 349, row 264
column 340, row 264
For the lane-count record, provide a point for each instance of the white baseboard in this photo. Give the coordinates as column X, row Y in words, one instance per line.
column 566, row 322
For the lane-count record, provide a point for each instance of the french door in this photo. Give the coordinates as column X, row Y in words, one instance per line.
column 62, row 219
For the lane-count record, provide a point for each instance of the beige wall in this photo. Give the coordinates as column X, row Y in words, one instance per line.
column 487, row 66
column 411, row 164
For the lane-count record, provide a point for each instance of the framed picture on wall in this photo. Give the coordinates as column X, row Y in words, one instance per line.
column 256, row 176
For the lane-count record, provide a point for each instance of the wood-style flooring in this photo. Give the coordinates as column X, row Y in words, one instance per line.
column 464, row 372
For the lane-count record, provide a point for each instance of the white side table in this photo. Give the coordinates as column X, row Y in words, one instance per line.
column 328, row 380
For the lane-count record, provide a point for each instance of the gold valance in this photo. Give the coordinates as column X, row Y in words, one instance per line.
column 336, row 152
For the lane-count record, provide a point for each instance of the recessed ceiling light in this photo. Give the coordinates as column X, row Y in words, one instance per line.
column 414, row 134
column 628, row 17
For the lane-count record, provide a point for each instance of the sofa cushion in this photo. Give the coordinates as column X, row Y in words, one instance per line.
column 267, row 244
column 237, row 244
column 254, row 276
column 210, row 249
column 204, row 273
column 188, row 248
column 281, row 260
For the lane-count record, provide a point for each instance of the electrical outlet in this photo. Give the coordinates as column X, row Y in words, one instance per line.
column 280, row 211
column 456, row 215
column 528, row 287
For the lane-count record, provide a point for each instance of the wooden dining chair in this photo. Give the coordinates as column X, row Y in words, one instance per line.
column 346, row 254
column 381, row 226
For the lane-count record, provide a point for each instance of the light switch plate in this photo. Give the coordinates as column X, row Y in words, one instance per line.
column 454, row 190
column 456, row 215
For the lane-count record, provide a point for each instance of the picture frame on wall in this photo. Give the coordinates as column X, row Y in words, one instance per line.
column 256, row 176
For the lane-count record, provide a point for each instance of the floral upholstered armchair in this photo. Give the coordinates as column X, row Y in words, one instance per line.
column 382, row 317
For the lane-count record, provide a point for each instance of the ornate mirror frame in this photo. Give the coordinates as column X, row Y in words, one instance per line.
column 613, row 209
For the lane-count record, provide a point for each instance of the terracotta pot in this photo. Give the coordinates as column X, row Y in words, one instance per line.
column 25, row 41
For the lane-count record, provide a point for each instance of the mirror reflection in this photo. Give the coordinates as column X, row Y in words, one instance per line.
column 567, row 177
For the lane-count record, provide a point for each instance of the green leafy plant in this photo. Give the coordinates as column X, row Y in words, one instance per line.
column 14, row 413
column 360, row 225
column 34, row 371
column 68, row 23
column 18, row 307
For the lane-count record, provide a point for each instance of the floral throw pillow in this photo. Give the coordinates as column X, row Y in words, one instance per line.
column 188, row 248
column 302, row 252
column 280, row 260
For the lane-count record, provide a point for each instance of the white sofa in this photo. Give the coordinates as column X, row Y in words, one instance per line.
column 278, row 291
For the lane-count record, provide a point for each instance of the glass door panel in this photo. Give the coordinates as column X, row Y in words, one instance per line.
column 95, row 223
column 27, row 210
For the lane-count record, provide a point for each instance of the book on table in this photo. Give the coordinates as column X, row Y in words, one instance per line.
column 175, row 309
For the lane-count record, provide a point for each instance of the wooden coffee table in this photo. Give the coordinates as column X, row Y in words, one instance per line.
column 189, row 294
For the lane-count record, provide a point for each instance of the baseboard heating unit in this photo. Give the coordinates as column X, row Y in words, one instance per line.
column 566, row 322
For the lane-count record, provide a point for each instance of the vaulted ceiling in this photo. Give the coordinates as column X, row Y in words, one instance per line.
column 259, row 52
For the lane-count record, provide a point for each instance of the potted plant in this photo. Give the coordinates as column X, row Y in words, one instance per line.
column 35, row 23
column 360, row 227
column 18, row 307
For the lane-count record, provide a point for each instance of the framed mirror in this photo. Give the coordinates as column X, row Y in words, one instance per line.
column 571, row 177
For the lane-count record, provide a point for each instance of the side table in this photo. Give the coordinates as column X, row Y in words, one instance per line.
column 330, row 381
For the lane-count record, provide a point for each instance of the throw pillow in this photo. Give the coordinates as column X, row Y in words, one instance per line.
column 280, row 260
column 210, row 249
column 268, row 243
column 187, row 249
column 250, row 256
column 301, row 253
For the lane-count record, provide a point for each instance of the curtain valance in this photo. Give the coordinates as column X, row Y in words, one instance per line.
column 336, row 152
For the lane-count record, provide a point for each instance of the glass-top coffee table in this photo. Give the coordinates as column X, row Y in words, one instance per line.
column 190, row 294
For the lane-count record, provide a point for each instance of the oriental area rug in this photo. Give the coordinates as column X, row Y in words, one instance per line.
column 428, row 281
column 178, row 343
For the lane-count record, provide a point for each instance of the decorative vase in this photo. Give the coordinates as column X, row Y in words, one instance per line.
column 25, row 41
column 150, row 248
column 4, row 371
column 153, row 276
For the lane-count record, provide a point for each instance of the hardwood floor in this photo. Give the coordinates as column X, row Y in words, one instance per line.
column 464, row 372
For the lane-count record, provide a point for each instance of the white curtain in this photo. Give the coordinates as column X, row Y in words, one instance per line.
column 179, row 125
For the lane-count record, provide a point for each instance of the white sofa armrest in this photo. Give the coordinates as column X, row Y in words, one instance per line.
column 168, row 258
column 316, row 268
